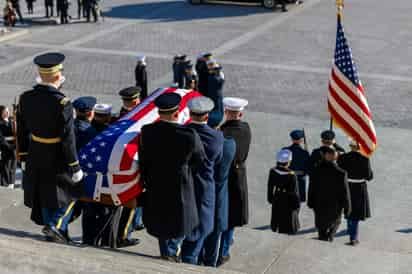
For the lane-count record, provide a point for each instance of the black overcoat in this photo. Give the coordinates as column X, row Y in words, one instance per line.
column 328, row 194
column 317, row 155
column 45, row 161
column 237, row 184
column 8, row 153
column 284, row 196
column 359, row 172
column 168, row 153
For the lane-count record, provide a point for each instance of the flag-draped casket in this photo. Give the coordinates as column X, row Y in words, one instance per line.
column 110, row 160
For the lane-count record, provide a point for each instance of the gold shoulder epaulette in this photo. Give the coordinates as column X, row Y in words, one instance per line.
column 64, row 101
column 291, row 172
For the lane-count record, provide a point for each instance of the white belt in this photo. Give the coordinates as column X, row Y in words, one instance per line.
column 9, row 138
column 356, row 181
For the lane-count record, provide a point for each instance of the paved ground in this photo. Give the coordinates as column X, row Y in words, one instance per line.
column 280, row 62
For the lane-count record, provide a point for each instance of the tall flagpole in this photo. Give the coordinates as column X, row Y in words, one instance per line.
column 339, row 6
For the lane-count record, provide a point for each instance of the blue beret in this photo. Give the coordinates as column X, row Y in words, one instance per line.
column 296, row 134
column 85, row 103
column 327, row 135
column 168, row 102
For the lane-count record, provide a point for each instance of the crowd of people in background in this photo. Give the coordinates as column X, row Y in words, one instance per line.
column 196, row 190
column 88, row 9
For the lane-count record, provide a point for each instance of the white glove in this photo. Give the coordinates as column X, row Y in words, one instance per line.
column 23, row 166
column 78, row 176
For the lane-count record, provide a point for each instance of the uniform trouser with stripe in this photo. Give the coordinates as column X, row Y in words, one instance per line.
column 58, row 217
column 126, row 223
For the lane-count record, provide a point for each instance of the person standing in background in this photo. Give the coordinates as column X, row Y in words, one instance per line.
column 7, row 149
column 140, row 73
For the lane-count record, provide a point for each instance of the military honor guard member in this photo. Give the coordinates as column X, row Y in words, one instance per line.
column 102, row 117
column 204, row 180
column 7, row 149
column 130, row 98
column 211, row 246
column 202, row 71
column 240, row 131
column 216, row 81
column 140, row 74
column 179, row 70
column 359, row 172
column 300, row 161
column 327, row 140
column 190, row 76
column 168, row 154
column 328, row 195
column 84, row 107
column 283, row 195
column 48, row 149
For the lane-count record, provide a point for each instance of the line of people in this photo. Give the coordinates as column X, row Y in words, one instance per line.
column 337, row 185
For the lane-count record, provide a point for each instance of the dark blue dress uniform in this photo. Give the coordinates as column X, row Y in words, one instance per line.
column 204, row 180
column 212, row 242
column 203, row 72
column 179, row 70
column 168, row 153
column 300, row 163
column 83, row 129
column 47, row 145
column 140, row 73
column 129, row 94
column 215, row 85
column 317, row 154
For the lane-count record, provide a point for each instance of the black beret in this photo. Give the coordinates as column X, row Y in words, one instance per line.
column 85, row 103
column 168, row 101
column 130, row 93
column 327, row 135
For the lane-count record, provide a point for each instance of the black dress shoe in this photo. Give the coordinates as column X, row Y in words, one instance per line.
column 53, row 234
column 128, row 242
column 66, row 236
column 222, row 260
column 172, row 259
column 353, row 243
column 139, row 227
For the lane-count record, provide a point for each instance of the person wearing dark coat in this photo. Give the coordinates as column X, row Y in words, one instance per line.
column 215, row 84
column 89, row 8
column 16, row 6
column 359, row 172
column 240, row 131
column 329, row 195
column 48, row 6
column 140, row 73
column 179, row 70
column 190, row 76
column 210, row 253
column 300, row 161
column 327, row 140
column 283, row 195
column 202, row 71
column 7, row 149
column 130, row 99
column 47, row 149
column 63, row 6
column 30, row 6
column 169, row 153
column 203, row 178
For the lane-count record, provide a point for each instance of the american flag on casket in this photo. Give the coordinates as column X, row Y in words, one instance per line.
column 110, row 160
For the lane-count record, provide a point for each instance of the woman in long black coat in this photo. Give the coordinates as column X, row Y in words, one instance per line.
column 359, row 173
column 283, row 195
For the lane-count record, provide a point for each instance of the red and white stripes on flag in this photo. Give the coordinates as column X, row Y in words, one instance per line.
column 347, row 102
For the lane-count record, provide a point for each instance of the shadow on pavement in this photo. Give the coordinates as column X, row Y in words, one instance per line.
column 21, row 234
column 184, row 11
column 263, row 227
column 307, row 231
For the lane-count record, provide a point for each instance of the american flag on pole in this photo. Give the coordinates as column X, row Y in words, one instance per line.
column 110, row 160
column 347, row 102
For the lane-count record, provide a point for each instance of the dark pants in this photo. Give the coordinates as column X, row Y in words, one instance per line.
column 170, row 247
column 95, row 223
column 30, row 7
column 64, row 17
column 353, row 229
column 81, row 11
column 210, row 252
column 126, row 223
column 7, row 170
column 17, row 9
column 91, row 9
column 226, row 242
column 58, row 217
column 328, row 233
column 137, row 220
column 302, row 185
column 191, row 250
column 49, row 10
